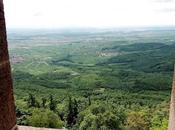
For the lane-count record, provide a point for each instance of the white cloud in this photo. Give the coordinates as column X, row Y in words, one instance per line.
column 164, row 1
column 87, row 13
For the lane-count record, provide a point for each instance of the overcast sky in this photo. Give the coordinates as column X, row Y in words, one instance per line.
column 88, row 13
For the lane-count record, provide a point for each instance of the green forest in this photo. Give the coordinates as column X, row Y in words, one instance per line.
column 93, row 79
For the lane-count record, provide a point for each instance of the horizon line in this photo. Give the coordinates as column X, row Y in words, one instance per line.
column 110, row 27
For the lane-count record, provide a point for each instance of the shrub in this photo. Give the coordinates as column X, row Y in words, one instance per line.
column 44, row 118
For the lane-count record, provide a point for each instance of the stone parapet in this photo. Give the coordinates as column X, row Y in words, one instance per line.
column 34, row 128
column 7, row 107
column 172, row 106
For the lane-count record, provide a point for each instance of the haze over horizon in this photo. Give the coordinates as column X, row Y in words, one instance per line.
column 88, row 13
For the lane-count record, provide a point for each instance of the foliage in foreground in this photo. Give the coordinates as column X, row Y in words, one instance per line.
column 44, row 118
column 95, row 116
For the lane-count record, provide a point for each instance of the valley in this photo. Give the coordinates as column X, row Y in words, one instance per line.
column 93, row 79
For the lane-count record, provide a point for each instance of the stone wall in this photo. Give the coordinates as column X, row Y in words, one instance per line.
column 7, row 107
column 172, row 107
column 34, row 128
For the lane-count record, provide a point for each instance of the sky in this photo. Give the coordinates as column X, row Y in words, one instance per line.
column 88, row 13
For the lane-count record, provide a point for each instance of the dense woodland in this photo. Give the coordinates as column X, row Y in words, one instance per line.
column 93, row 80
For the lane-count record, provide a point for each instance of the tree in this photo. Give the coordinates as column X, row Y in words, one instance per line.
column 44, row 100
column 72, row 112
column 31, row 101
column 52, row 104
column 137, row 121
column 44, row 118
column 100, row 117
column 159, row 121
column 75, row 109
column 89, row 100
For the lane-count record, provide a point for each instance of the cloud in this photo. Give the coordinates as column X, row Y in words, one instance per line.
column 163, row 6
column 38, row 14
column 167, row 10
column 88, row 13
column 164, row 1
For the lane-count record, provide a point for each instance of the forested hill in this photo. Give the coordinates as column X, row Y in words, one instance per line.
column 87, row 80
